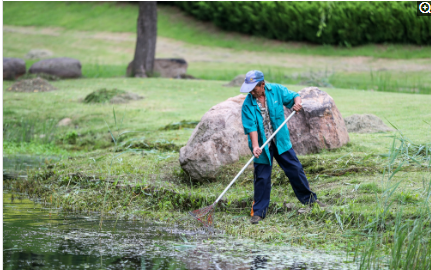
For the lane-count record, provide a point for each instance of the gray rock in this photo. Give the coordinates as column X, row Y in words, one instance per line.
column 217, row 140
column 166, row 68
column 60, row 67
column 365, row 123
column 318, row 126
column 38, row 54
column 170, row 68
column 304, row 210
column 13, row 68
column 237, row 81
column 125, row 98
column 288, row 206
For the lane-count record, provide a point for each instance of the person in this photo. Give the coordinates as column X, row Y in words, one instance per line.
column 262, row 113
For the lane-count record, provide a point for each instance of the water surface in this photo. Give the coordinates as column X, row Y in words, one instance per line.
column 37, row 237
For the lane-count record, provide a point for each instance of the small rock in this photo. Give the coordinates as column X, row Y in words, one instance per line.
column 365, row 123
column 186, row 77
column 237, row 81
column 38, row 54
column 304, row 210
column 289, row 206
column 64, row 122
column 125, row 98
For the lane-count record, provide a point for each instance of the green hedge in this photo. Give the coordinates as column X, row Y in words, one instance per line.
column 345, row 23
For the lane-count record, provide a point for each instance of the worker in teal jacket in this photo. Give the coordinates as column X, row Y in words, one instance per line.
column 262, row 114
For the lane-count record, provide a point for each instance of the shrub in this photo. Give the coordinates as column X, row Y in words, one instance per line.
column 346, row 23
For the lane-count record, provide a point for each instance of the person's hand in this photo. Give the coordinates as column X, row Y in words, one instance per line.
column 257, row 151
column 297, row 107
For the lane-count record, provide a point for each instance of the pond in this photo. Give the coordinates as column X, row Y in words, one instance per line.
column 36, row 236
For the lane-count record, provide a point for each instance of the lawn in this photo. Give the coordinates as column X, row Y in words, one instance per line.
column 166, row 100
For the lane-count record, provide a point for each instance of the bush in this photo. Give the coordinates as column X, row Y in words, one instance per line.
column 344, row 23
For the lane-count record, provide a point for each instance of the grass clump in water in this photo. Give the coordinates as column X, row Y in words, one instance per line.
column 102, row 95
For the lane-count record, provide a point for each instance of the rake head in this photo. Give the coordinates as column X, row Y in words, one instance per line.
column 204, row 215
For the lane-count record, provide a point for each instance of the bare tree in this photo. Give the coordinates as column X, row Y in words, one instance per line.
column 145, row 50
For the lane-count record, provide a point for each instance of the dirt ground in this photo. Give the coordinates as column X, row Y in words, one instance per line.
column 167, row 47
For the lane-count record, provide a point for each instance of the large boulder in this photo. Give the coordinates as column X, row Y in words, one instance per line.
column 166, row 68
column 61, row 67
column 217, row 140
column 319, row 125
column 219, row 137
column 365, row 123
column 13, row 68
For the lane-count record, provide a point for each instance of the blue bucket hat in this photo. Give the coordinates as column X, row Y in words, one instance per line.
column 251, row 79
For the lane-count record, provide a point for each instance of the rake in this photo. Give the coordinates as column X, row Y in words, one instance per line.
column 205, row 215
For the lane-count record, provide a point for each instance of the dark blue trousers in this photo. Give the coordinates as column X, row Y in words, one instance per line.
column 293, row 170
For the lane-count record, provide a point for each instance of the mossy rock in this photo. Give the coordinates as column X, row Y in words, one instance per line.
column 102, row 95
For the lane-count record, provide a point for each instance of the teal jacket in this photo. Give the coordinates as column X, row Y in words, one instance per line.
column 277, row 95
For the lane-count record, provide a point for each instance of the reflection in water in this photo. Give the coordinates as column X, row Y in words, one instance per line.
column 40, row 238
column 259, row 262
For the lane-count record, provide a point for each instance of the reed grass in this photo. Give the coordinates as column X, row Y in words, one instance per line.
column 407, row 244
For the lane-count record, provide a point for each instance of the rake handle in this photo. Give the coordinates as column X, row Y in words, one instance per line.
column 248, row 163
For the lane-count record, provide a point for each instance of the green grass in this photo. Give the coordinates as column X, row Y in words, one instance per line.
column 34, row 148
column 90, row 16
column 150, row 183
column 169, row 100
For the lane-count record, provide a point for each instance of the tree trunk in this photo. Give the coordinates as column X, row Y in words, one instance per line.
column 145, row 50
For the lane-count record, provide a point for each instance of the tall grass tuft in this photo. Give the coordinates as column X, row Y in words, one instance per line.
column 29, row 130
column 114, row 156
column 408, row 240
